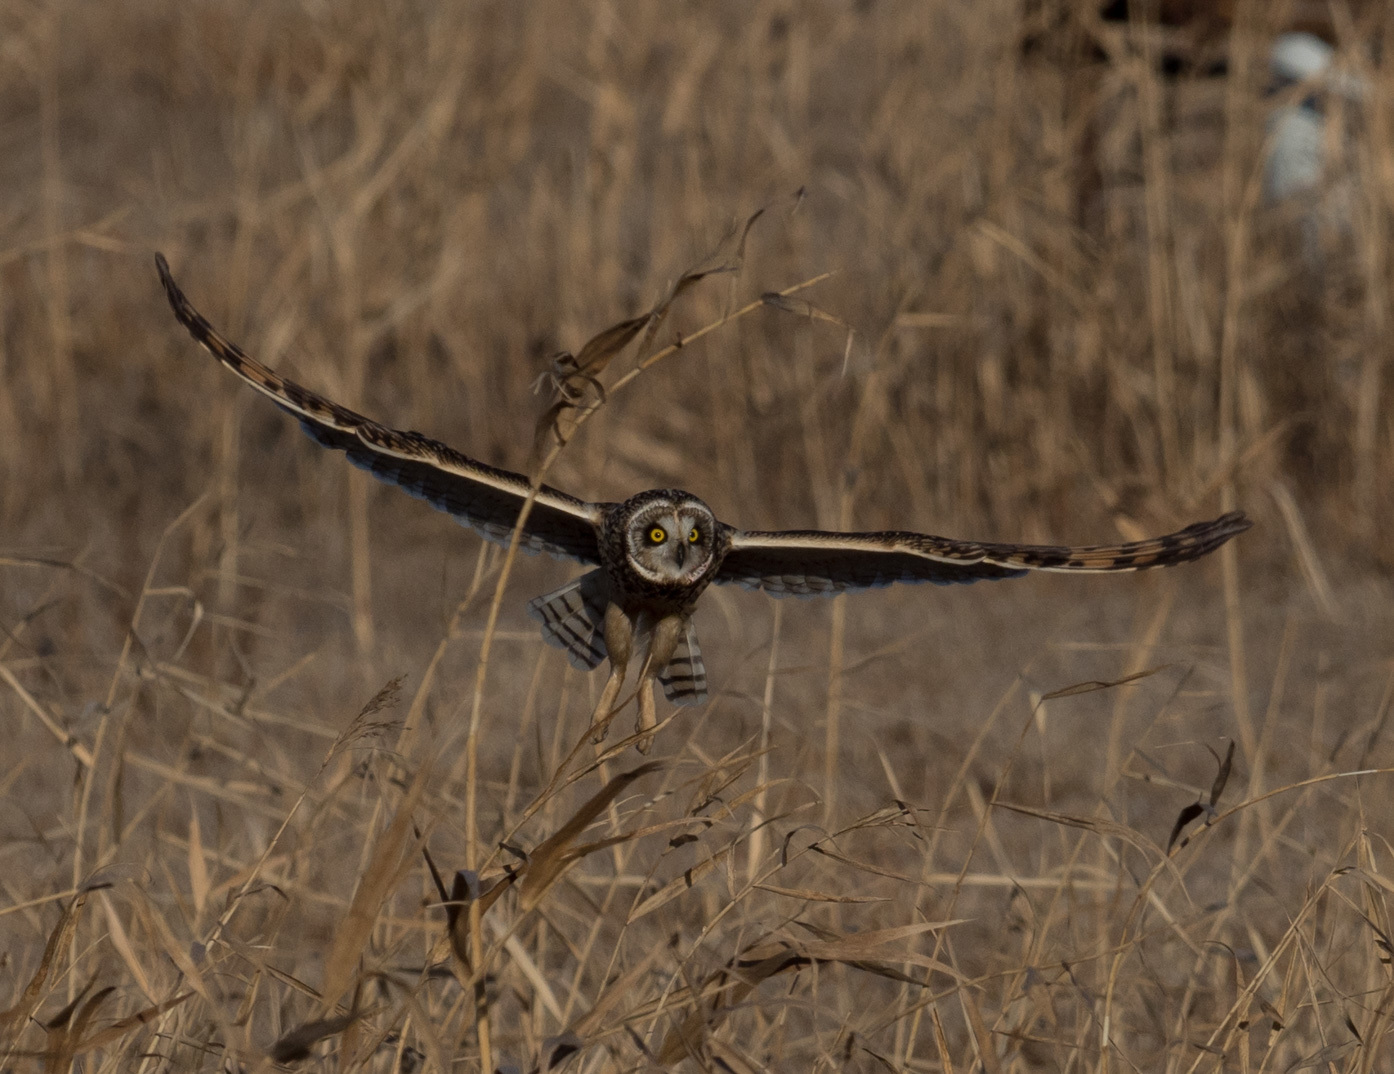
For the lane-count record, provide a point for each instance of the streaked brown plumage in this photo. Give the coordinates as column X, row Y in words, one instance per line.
column 656, row 553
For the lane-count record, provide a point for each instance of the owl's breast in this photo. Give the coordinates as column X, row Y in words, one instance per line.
column 635, row 593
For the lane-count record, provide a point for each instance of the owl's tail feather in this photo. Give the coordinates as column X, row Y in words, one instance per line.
column 685, row 678
column 573, row 618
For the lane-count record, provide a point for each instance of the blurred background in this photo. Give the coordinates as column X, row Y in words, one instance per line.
column 1097, row 271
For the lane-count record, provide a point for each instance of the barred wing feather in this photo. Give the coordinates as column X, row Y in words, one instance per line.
column 483, row 497
column 813, row 562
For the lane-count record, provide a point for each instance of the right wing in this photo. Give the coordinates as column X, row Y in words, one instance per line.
column 483, row 497
column 811, row 562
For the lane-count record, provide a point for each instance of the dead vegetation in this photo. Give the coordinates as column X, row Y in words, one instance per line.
column 289, row 780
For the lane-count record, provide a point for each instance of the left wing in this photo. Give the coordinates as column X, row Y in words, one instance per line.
column 483, row 497
column 812, row 562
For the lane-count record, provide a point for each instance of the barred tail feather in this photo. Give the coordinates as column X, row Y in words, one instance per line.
column 685, row 678
column 573, row 618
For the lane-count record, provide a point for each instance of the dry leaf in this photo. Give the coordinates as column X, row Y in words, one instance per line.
column 724, row 989
column 297, row 1043
column 1093, row 824
column 856, row 945
column 1102, row 684
column 33, row 991
column 1187, row 814
column 64, row 1036
column 385, row 869
column 1222, row 776
column 1319, row 1058
column 677, row 886
column 816, row 896
column 553, row 855
column 132, row 1022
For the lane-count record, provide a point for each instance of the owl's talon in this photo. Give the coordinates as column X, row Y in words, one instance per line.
column 605, row 708
column 599, row 729
column 647, row 720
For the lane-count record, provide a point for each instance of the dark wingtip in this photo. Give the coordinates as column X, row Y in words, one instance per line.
column 1234, row 523
column 1219, row 532
column 176, row 297
column 162, row 267
column 183, row 309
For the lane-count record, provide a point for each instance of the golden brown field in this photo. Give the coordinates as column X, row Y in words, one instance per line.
column 919, row 829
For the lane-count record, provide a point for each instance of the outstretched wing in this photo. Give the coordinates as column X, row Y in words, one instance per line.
column 811, row 563
column 485, row 498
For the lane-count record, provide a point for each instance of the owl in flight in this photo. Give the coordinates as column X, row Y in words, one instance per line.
column 652, row 556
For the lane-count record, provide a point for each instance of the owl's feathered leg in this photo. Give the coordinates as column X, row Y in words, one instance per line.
column 619, row 643
column 662, row 642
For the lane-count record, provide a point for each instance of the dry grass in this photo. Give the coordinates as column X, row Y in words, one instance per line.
column 896, row 839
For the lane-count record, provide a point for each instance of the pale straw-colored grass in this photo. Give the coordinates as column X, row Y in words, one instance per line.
column 288, row 776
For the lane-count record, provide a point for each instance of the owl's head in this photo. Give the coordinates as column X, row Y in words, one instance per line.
column 669, row 537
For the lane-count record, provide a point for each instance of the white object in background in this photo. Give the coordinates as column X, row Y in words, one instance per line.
column 1308, row 162
column 1297, row 132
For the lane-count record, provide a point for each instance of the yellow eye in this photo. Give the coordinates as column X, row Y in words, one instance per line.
column 694, row 536
column 658, row 535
